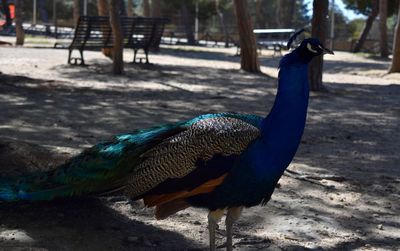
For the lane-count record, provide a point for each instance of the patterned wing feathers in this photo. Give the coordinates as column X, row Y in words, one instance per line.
column 176, row 156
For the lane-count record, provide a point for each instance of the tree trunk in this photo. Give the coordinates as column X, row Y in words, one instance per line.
column 248, row 47
column 76, row 11
column 260, row 15
column 43, row 15
column 19, row 30
column 43, row 11
column 395, row 67
column 156, row 8
column 222, row 24
column 129, row 9
column 367, row 27
column 146, row 8
column 118, row 62
column 102, row 7
column 383, row 7
column 187, row 21
column 319, row 26
column 279, row 11
column 289, row 13
column 285, row 13
column 102, row 10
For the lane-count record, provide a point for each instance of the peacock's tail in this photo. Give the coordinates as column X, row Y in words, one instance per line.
column 94, row 171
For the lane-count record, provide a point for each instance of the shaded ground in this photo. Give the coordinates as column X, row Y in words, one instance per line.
column 349, row 150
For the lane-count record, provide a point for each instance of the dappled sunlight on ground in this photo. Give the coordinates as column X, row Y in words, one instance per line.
column 348, row 158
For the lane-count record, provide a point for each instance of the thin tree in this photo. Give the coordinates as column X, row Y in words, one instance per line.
column 395, row 67
column 103, row 10
column 115, row 20
column 19, row 30
column 222, row 24
column 279, row 10
column 368, row 25
column 383, row 9
column 146, row 8
column 43, row 15
column 248, row 47
column 156, row 8
column 102, row 7
column 129, row 10
column 260, row 14
column 187, row 21
column 284, row 13
column 76, row 9
column 319, row 25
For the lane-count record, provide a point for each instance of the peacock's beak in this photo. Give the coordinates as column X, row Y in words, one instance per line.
column 326, row 50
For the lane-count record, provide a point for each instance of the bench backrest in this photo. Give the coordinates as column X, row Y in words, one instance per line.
column 138, row 32
column 92, row 32
column 158, row 31
column 145, row 32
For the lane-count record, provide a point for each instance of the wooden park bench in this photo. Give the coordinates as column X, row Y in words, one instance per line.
column 273, row 38
column 94, row 32
column 143, row 33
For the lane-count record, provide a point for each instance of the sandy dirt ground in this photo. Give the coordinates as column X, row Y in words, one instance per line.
column 344, row 194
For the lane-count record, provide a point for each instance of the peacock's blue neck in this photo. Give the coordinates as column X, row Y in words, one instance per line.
column 282, row 129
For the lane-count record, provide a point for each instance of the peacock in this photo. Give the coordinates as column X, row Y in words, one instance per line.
column 223, row 162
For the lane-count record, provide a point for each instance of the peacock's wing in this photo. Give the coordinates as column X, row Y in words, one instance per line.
column 203, row 152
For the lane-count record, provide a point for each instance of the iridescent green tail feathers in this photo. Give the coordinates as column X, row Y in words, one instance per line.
column 94, row 171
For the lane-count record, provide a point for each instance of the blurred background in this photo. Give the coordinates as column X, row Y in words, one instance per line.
column 214, row 20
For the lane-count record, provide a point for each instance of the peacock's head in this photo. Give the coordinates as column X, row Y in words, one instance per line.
column 309, row 47
column 312, row 47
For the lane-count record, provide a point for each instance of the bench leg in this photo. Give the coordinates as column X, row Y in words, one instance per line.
column 277, row 50
column 82, row 61
column 259, row 50
column 75, row 61
column 237, row 51
column 146, row 52
column 69, row 56
column 134, row 55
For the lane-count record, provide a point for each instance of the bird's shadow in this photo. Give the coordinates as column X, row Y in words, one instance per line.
column 81, row 224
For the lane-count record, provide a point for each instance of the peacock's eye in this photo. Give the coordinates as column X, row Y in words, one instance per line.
column 311, row 48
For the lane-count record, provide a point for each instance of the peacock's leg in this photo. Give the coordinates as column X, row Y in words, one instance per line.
column 213, row 218
column 232, row 216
